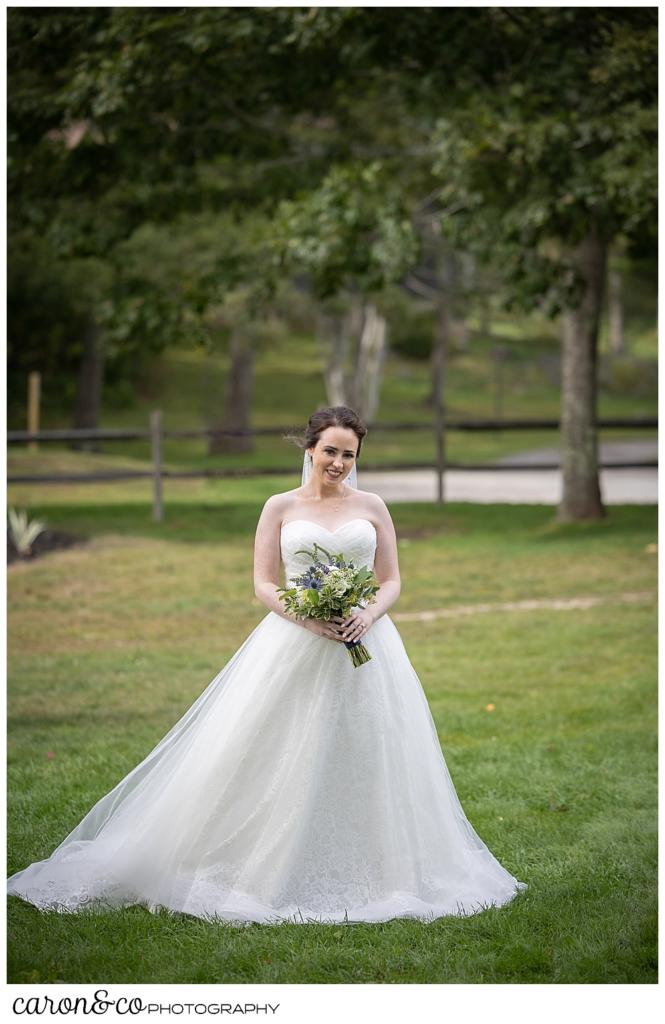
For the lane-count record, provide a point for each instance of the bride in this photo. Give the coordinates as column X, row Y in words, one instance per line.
column 296, row 787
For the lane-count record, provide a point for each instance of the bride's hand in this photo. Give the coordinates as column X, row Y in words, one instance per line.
column 330, row 630
column 356, row 626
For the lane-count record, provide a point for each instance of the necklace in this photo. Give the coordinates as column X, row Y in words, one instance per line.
column 337, row 507
column 332, row 503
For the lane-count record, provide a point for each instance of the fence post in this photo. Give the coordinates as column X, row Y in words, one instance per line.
column 440, row 369
column 440, row 451
column 34, row 388
column 156, row 445
column 498, row 355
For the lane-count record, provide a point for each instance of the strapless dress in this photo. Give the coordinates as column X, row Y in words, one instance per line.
column 295, row 788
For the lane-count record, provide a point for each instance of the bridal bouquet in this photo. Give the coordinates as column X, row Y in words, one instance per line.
column 330, row 588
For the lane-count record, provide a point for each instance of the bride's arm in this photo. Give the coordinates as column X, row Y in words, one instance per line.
column 386, row 567
column 267, row 563
column 267, row 557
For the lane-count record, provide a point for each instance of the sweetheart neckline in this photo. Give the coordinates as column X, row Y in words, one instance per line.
column 357, row 519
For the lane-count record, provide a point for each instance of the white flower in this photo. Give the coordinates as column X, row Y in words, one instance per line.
column 335, row 583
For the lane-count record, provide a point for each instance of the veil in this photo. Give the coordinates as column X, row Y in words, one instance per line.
column 351, row 480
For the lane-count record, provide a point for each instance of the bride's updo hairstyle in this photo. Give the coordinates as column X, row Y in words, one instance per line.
column 331, row 416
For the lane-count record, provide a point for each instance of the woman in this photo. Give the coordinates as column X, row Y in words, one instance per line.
column 297, row 787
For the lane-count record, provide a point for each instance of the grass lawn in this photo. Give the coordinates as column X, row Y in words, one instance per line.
column 111, row 641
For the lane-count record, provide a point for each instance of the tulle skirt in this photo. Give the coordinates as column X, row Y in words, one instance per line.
column 295, row 788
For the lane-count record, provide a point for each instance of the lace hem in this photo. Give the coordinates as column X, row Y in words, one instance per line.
column 233, row 907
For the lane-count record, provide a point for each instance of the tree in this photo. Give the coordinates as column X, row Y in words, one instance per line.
column 532, row 128
column 66, row 203
column 124, row 116
column 351, row 237
column 108, row 131
column 548, row 187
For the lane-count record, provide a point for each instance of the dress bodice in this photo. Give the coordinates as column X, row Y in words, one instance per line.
column 356, row 539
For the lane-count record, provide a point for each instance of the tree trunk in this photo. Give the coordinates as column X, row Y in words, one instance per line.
column 461, row 334
column 615, row 311
column 353, row 345
column 465, row 283
column 369, row 363
column 485, row 318
column 237, row 400
column 455, row 274
column 579, row 438
column 439, row 362
column 444, row 328
column 333, row 338
column 88, row 400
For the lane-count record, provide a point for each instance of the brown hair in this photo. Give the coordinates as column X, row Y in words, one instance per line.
column 331, row 416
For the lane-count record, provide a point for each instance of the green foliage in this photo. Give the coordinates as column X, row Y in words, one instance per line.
column 47, row 314
column 130, row 127
column 351, row 233
column 411, row 325
column 561, row 143
column 52, row 304
column 110, row 133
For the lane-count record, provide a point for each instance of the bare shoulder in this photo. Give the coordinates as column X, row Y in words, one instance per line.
column 278, row 505
column 376, row 508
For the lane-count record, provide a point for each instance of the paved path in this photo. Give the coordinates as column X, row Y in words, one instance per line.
column 524, row 487
column 610, row 451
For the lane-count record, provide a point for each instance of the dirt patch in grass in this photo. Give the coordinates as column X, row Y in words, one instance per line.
column 49, row 540
column 409, row 533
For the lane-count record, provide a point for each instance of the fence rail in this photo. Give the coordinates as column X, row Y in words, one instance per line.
column 123, row 434
column 156, row 435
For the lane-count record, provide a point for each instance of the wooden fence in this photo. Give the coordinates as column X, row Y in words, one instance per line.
column 156, row 434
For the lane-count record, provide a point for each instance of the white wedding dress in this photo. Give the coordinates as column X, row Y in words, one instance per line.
column 296, row 787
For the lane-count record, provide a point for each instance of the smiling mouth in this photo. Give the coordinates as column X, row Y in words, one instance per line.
column 331, row 472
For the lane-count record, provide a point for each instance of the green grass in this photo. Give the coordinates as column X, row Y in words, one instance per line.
column 111, row 641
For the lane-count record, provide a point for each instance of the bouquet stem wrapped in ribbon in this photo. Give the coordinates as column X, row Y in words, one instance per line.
column 331, row 588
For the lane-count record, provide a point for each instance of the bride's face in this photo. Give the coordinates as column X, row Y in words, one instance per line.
column 334, row 454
